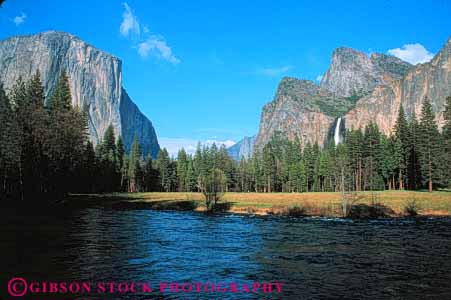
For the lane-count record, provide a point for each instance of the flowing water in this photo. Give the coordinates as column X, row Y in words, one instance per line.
column 337, row 132
column 313, row 258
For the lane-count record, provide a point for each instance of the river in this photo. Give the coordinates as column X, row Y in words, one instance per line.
column 313, row 258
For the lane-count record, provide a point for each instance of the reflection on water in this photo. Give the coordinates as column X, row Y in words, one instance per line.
column 314, row 258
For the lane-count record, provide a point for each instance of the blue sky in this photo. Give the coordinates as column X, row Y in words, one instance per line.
column 202, row 70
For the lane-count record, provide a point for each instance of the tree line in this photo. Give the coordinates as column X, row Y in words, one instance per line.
column 45, row 153
column 416, row 156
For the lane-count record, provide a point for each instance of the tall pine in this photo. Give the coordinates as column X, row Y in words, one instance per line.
column 428, row 145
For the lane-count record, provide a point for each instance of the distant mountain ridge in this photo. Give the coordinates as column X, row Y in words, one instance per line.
column 95, row 81
column 243, row 149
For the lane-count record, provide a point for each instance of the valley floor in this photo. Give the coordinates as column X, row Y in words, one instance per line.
column 437, row 203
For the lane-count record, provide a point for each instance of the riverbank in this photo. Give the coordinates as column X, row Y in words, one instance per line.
column 392, row 203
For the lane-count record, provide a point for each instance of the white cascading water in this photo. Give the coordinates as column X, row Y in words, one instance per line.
column 337, row 132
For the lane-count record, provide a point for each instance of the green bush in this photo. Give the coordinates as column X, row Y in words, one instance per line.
column 411, row 208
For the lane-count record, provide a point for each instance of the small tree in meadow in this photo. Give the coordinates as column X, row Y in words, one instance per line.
column 213, row 185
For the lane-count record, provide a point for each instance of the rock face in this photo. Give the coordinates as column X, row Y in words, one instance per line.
column 95, row 80
column 358, row 89
column 242, row 149
column 354, row 73
column 431, row 80
column 296, row 112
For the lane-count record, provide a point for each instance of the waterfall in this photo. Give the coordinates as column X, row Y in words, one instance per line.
column 337, row 132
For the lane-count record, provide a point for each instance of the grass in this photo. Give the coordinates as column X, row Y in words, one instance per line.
column 324, row 204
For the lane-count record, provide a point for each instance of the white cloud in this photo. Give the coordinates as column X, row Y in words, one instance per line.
column 157, row 46
column 148, row 44
column 274, row 71
column 412, row 53
column 319, row 78
column 129, row 23
column 173, row 145
column 19, row 19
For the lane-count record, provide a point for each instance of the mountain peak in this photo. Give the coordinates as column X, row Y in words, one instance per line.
column 352, row 72
column 347, row 51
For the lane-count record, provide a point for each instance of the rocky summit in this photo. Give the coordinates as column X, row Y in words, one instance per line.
column 95, row 82
column 357, row 89
column 352, row 72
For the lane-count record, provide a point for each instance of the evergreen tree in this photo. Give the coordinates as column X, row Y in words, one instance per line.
column 257, row 172
column 9, row 147
column 447, row 141
column 109, row 142
column 402, row 136
column 61, row 98
column 163, row 166
column 190, row 180
column 428, row 145
column 355, row 145
column 301, row 177
column 67, row 137
column 88, row 173
column 151, row 176
column 269, row 168
column 121, row 167
column 34, row 126
column 414, row 168
column 182, row 170
column 372, row 152
column 108, row 162
column 134, row 167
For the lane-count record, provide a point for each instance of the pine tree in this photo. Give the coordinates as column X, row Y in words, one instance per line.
column 67, row 136
column 269, row 168
column 9, row 147
column 414, row 168
column 163, row 166
column 301, row 177
column 108, row 158
column 428, row 144
column 372, row 152
column 88, row 174
column 182, row 170
column 120, row 150
column 446, row 133
column 61, row 98
column 341, row 161
column 134, row 167
column 109, row 142
column 389, row 160
column 190, row 182
column 402, row 135
column 257, row 172
column 151, row 176
column 34, row 125
column 355, row 144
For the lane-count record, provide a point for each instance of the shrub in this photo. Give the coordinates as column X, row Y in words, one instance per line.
column 372, row 211
column 411, row 208
column 296, row 211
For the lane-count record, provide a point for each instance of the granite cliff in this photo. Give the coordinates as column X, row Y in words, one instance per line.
column 356, row 89
column 431, row 80
column 300, row 108
column 95, row 81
